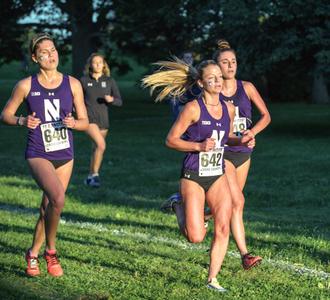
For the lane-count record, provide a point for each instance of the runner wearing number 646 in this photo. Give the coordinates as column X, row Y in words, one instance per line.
column 50, row 98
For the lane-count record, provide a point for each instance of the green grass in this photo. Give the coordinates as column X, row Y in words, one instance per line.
column 114, row 243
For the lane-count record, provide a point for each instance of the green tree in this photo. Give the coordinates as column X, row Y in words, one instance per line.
column 301, row 30
column 11, row 31
column 82, row 25
column 87, row 22
column 79, row 26
column 158, row 29
column 286, row 43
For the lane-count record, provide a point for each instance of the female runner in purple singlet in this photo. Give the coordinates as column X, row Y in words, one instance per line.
column 202, row 129
column 50, row 97
column 242, row 94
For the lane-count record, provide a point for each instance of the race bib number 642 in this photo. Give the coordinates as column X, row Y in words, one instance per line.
column 210, row 163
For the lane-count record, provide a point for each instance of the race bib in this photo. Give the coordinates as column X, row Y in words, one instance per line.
column 239, row 125
column 210, row 163
column 55, row 136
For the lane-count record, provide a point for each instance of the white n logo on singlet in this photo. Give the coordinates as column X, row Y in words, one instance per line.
column 218, row 136
column 236, row 112
column 52, row 109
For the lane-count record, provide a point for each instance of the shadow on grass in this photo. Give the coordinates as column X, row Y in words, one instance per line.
column 285, row 225
column 17, row 229
column 69, row 216
column 22, row 184
column 115, row 198
column 13, row 270
column 130, row 266
column 322, row 256
column 107, row 243
column 10, row 290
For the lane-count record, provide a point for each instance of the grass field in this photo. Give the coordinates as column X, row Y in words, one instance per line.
column 114, row 243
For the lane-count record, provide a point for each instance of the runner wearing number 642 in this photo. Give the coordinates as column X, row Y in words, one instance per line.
column 202, row 129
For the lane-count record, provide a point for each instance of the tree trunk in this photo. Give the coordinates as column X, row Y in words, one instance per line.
column 82, row 47
column 83, row 30
column 320, row 93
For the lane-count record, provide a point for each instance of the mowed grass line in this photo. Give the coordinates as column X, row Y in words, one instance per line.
column 286, row 214
column 149, row 237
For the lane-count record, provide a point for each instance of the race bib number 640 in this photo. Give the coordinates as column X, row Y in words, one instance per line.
column 55, row 136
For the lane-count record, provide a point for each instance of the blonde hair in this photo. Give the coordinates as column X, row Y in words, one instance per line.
column 174, row 77
column 88, row 67
column 223, row 46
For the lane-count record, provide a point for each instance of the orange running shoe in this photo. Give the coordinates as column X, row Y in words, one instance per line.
column 32, row 268
column 249, row 261
column 53, row 264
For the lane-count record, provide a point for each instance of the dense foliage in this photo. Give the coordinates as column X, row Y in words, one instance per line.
column 284, row 47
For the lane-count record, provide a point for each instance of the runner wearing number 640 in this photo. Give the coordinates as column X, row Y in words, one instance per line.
column 202, row 129
column 50, row 98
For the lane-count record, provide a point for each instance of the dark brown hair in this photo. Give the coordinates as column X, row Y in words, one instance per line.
column 37, row 39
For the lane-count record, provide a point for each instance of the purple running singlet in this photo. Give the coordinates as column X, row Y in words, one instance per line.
column 208, row 163
column 243, row 115
column 51, row 139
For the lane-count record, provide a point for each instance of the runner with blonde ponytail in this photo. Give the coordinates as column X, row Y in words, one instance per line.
column 206, row 124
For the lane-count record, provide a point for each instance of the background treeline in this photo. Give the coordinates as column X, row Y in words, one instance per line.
column 282, row 46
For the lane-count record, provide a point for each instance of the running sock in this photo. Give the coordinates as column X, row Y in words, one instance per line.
column 51, row 252
column 32, row 254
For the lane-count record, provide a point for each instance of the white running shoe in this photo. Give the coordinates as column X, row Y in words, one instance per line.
column 93, row 181
column 214, row 285
column 167, row 205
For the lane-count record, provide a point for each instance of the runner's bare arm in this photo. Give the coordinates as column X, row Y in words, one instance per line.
column 17, row 97
column 81, row 122
column 255, row 98
column 189, row 115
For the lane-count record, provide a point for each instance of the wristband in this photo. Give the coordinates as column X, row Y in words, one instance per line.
column 18, row 121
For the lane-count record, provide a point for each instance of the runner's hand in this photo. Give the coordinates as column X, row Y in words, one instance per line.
column 31, row 121
column 248, row 140
column 249, row 132
column 108, row 98
column 207, row 145
column 69, row 121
